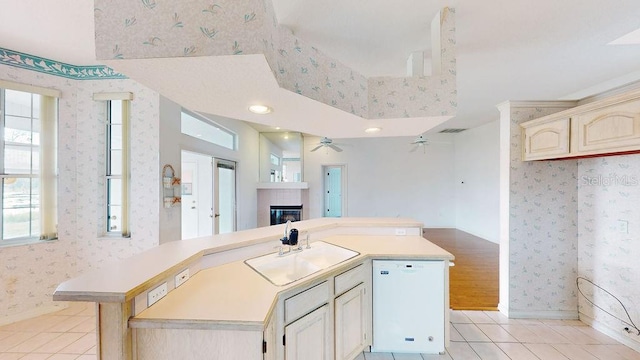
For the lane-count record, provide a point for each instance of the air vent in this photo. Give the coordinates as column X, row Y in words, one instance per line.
column 451, row 131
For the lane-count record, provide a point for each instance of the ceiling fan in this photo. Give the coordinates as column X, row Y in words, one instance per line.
column 326, row 143
column 420, row 141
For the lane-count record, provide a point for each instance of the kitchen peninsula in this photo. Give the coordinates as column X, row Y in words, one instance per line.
column 206, row 302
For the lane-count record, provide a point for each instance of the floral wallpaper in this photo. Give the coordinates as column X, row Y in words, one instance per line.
column 543, row 205
column 609, row 194
column 573, row 234
column 30, row 273
column 155, row 29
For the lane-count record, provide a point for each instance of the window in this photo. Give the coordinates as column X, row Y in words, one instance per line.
column 28, row 164
column 205, row 129
column 275, row 160
column 117, row 168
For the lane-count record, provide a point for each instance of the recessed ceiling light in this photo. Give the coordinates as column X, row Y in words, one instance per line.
column 260, row 109
column 277, row 128
column 632, row 38
column 372, row 130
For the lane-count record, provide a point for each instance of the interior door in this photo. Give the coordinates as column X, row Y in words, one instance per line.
column 333, row 191
column 197, row 195
column 224, row 196
column 189, row 202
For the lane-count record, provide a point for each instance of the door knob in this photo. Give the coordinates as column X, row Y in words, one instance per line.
column 217, row 215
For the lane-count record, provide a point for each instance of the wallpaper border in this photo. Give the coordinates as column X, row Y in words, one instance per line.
column 52, row 67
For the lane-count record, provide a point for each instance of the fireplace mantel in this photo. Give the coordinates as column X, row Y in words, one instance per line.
column 283, row 185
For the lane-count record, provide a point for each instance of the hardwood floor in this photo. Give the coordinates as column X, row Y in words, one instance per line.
column 474, row 278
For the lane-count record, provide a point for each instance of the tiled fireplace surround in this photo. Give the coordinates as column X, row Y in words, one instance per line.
column 272, row 197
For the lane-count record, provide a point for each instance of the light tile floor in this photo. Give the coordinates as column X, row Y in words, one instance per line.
column 476, row 335
column 489, row 335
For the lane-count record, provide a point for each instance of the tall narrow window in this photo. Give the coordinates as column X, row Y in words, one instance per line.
column 28, row 167
column 117, row 177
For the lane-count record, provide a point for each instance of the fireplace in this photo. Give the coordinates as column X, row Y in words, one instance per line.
column 281, row 213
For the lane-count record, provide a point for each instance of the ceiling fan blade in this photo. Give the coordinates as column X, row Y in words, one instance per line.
column 334, row 147
column 316, row 148
column 414, row 148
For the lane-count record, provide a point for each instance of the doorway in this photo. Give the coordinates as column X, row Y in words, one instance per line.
column 208, row 195
column 334, row 190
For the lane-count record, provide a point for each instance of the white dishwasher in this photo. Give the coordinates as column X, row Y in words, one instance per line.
column 408, row 306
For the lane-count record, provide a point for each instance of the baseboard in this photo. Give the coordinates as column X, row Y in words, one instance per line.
column 10, row 319
column 612, row 333
column 504, row 310
column 555, row 314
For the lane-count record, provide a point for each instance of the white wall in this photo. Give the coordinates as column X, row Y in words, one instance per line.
column 246, row 157
column 477, row 177
column 385, row 179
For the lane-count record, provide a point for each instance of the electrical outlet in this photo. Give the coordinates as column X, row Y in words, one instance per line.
column 623, row 226
column 182, row 277
column 401, row 232
column 156, row 294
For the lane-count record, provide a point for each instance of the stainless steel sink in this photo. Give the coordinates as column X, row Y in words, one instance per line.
column 285, row 269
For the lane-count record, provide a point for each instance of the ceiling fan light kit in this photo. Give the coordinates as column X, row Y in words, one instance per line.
column 327, row 143
column 420, row 141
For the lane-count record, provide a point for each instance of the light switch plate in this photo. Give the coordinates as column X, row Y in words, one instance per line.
column 156, row 294
column 182, row 277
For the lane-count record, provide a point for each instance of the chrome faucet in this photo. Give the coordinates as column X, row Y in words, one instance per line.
column 285, row 238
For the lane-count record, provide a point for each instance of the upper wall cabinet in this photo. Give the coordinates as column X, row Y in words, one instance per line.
column 547, row 140
column 604, row 127
column 613, row 128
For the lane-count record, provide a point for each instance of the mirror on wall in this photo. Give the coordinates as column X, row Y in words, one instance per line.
column 281, row 157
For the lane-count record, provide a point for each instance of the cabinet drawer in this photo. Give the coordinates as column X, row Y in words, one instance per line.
column 349, row 279
column 306, row 301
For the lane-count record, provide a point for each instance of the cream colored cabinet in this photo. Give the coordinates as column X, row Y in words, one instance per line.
column 604, row 127
column 545, row 140
column 351, row 315
column 309, row 338
column 614, row 128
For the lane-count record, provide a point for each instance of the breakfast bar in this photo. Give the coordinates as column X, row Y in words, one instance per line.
column 200, row 299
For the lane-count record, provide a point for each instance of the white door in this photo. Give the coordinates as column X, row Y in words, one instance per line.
column 333, row 179
column 225, row 196
column 189, row 202
column 197, row 195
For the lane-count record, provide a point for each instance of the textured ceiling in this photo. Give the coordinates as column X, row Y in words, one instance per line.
column 507, row 50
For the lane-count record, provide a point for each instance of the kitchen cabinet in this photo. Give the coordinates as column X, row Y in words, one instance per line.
column 613, row 128
column 547, row 139
column 603, row 127
column 309, row 338
column 269, row 341
column 351, row 325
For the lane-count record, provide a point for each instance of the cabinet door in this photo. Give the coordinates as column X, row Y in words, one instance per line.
column 615, row 128
column 547, row 140
column 269, row 342
column 351, row 323
column 309, row 337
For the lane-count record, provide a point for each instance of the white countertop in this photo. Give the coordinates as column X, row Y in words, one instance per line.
column 235, row 295
column 130, row 277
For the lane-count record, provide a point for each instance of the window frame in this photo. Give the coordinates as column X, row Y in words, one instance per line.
column 46, row 204
column 211, row 123
column 125, row 226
